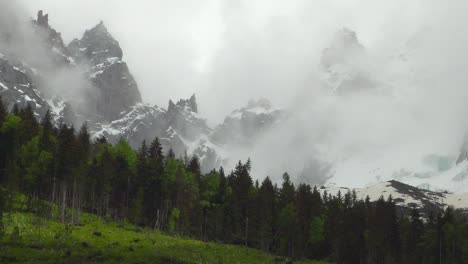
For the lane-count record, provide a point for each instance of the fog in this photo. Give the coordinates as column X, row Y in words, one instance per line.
column 228, row 52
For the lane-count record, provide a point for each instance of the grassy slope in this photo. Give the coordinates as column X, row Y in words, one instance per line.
column 43, row 241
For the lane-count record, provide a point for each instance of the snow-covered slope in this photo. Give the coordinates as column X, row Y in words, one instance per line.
column 182, row 129
column 17, row 88
column 405, row 195
column 388, row 122
column 179, row 127
column 141, row 122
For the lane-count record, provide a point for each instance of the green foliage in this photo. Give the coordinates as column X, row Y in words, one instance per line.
column 34, row 161
column 10, row 123
column 173, row 219
column 119, row 243
column 50, row 173
column 317, row 231
column 210, row 189
column 123, row 149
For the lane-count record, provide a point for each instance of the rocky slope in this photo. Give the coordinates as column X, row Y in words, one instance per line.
column 181, row 128
column 16, row 87
column 176, row 125
column 100, row 54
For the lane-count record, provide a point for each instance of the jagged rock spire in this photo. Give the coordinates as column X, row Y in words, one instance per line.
column 193, row 103
column 42, row 20
column 190, row 103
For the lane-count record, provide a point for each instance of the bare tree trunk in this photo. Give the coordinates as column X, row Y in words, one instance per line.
column 246, row 231
column 127, row 198
column 53, row 199
column 64, row 204
column 92, row 202
column 73, row 201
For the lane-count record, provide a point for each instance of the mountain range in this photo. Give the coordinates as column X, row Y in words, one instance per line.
column 111, row 105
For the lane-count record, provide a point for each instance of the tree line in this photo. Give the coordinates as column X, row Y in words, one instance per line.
column 62, row 173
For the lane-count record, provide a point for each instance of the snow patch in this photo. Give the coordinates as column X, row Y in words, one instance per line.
column 3, row 86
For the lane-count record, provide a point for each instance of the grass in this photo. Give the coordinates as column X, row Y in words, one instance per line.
column 37, row 240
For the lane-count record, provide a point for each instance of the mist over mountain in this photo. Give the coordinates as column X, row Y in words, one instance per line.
column 323, row 101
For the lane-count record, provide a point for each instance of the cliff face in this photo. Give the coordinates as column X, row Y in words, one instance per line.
column 99, row 53
column 16, row 87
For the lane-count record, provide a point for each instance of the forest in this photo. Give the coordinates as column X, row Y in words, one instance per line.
column 62, row 174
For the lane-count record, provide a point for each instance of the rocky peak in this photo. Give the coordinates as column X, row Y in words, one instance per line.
column 183, row 117
column 97, row 45
column 187, row 105
column 42, row 20
column 53, row 39
column 101, row 54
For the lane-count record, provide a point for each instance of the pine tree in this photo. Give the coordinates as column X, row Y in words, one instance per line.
column 304, row 217
column 155, row 150
column 194, row 168
column 287, row 193
column 267, row 214
column 152, row 189
column 413, row 237
column 29, row 126
column 170, row 154
column 3, row 111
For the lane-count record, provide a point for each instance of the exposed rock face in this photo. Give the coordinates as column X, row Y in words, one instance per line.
column 101, row 54
column 406, row 196
column 175, row 126
column 59, row 55
column 96, row 46
column 141, row 122
column 463, row 152
column 42, row 20
column 17, row 88
column 183, row 117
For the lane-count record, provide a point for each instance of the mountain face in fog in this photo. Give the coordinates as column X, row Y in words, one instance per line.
column 16, row 87
column 102, row 56
column 243, row 125
column 110, row 102
column 88, row 81
column 346, row 65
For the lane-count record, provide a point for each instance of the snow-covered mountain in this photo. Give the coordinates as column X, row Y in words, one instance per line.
column 394, row 119
column 17, row 88
column 181, row 128
column 114, row 109
column 178, row 124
